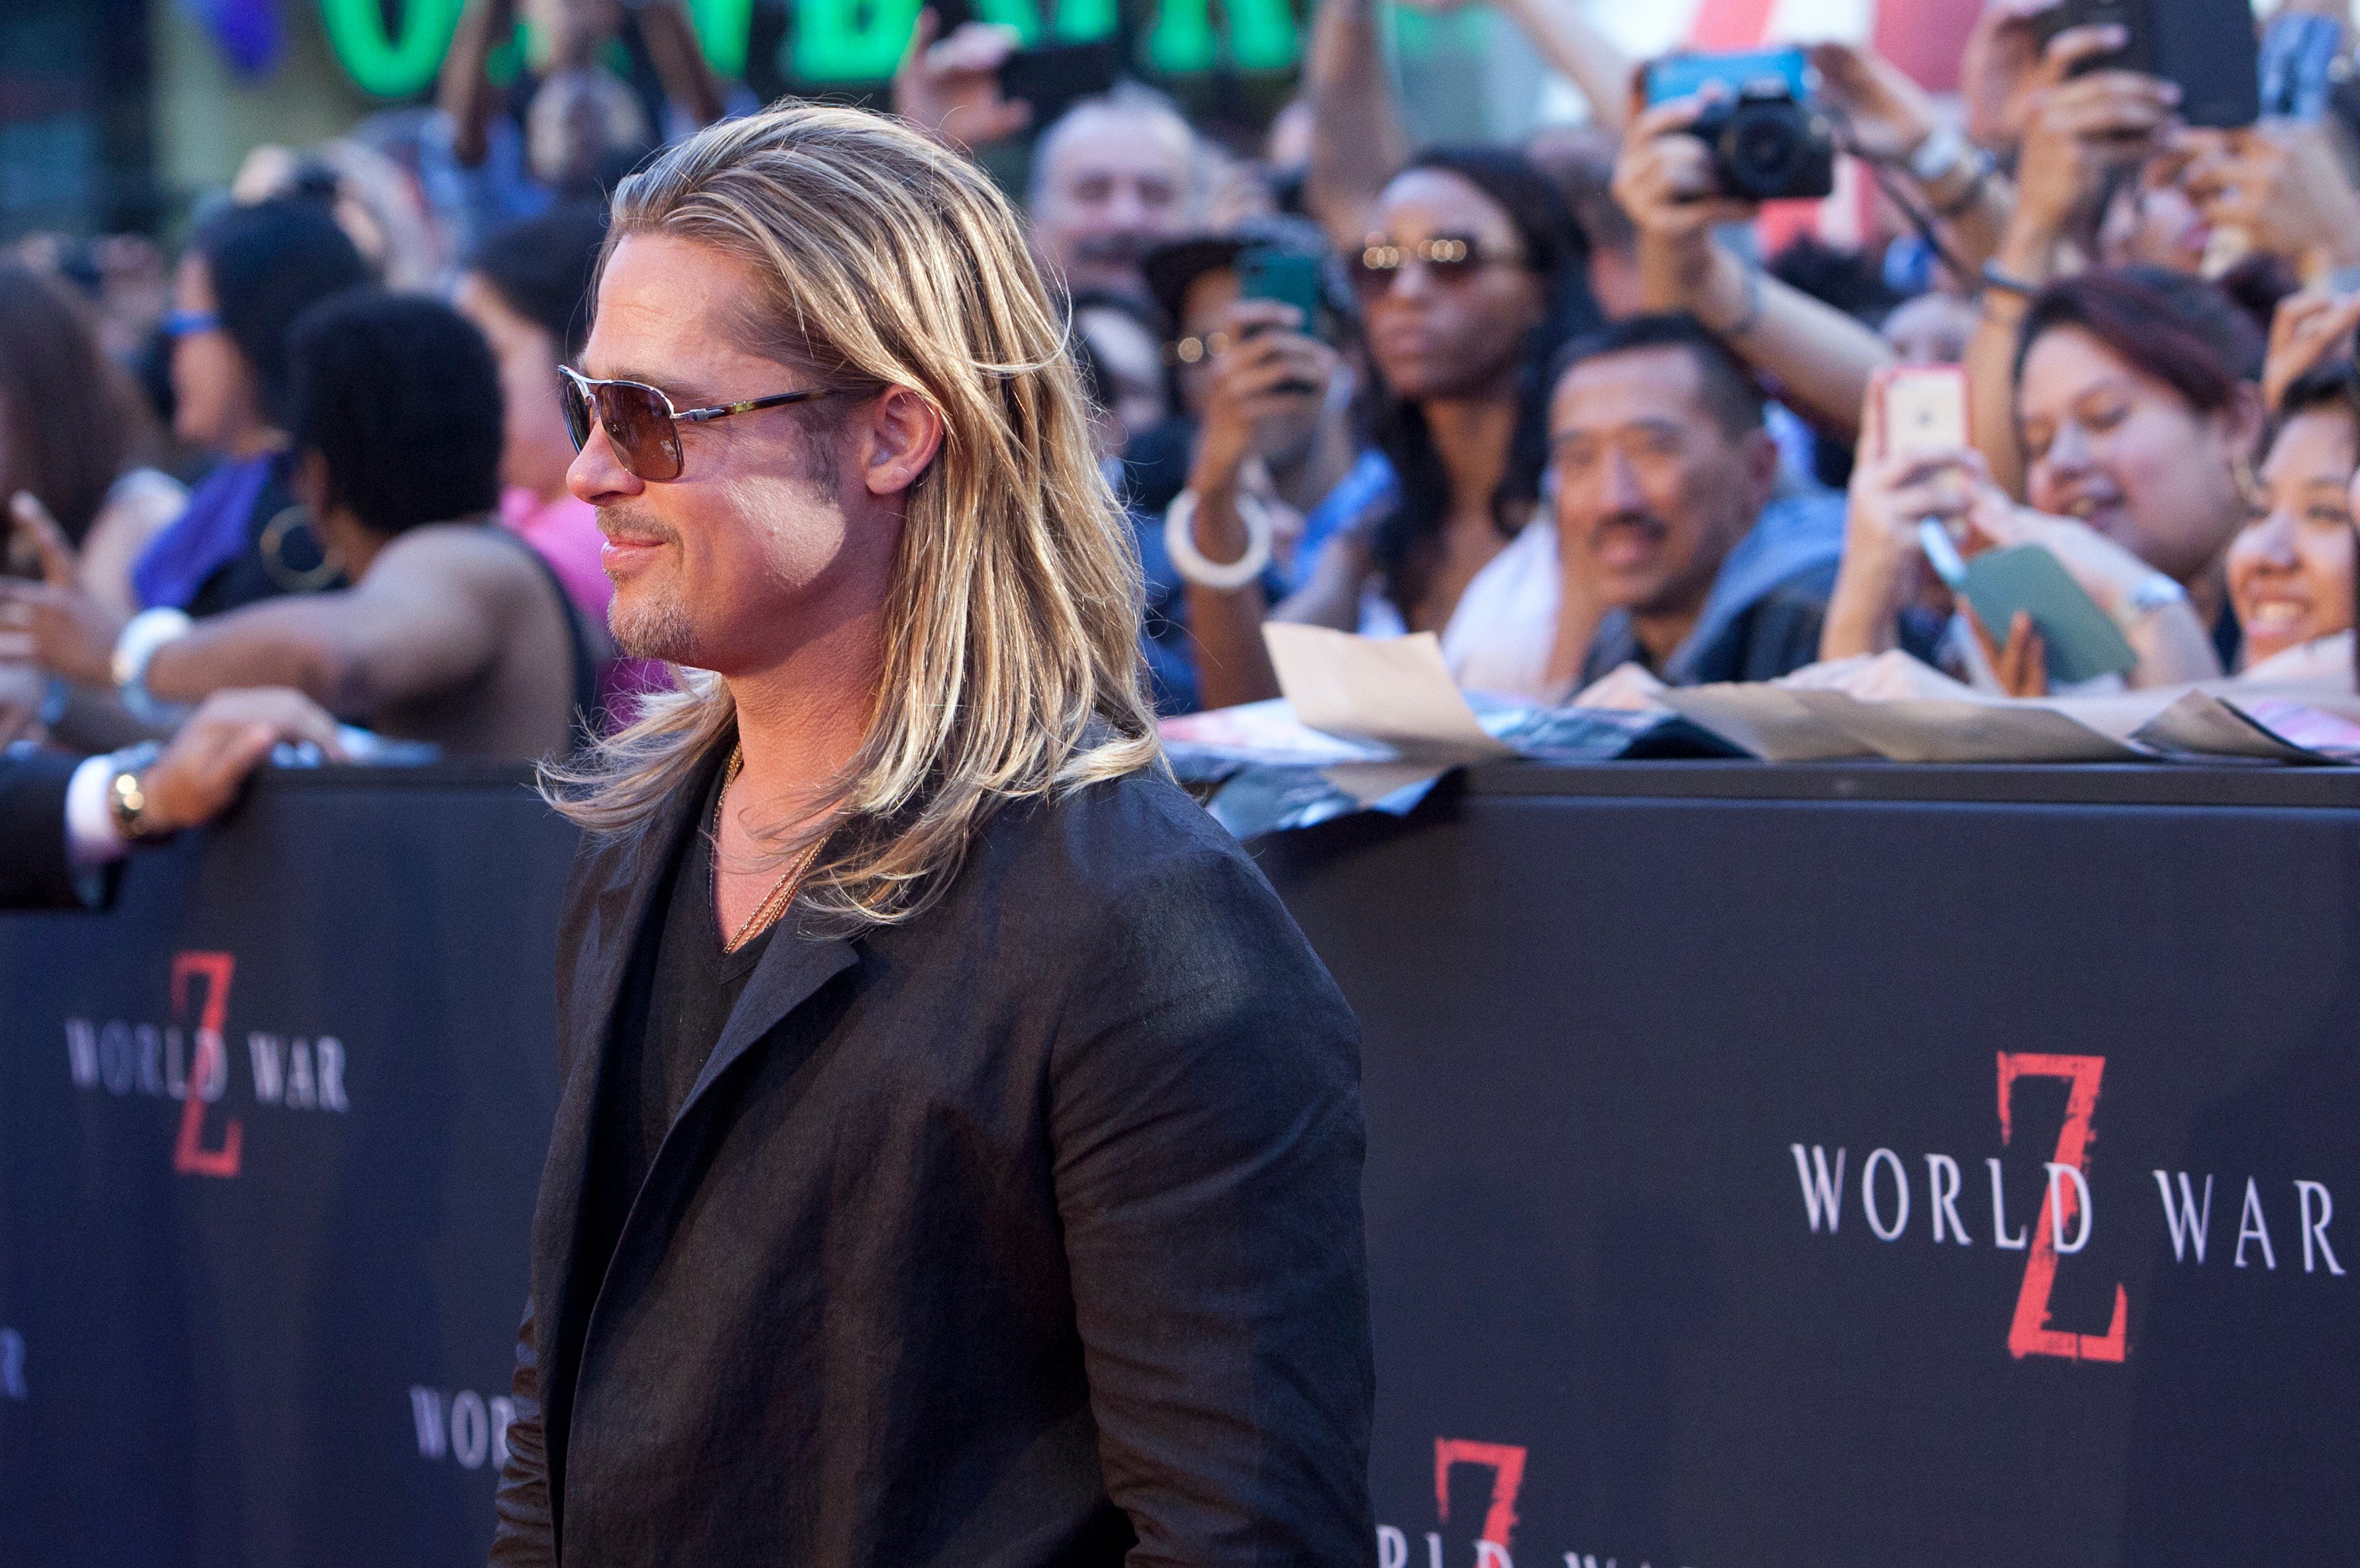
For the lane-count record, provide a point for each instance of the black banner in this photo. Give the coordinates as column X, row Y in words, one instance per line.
column 1751, row 1182
column 1710, row 1152
column 270, row 1133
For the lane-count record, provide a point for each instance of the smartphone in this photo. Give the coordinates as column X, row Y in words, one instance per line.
column 1291, row 277
column 1921, row 408
column 2210, row 48
column 2082, row 640
column 1056, row 77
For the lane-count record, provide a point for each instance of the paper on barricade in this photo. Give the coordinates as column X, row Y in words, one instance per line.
column 1771, row 722
column 1893, row 706
column 1394, row 690
column 1938, row 730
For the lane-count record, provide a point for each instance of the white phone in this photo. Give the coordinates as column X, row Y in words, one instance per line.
column 1922, row 408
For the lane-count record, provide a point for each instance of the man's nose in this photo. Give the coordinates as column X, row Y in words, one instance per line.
column 597, row 475
column 1619, row 486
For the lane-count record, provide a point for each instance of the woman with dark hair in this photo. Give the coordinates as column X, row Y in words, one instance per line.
column 2138, row 413
column 244, row 279
column 1475, row 275
column 2290, row 567
column 73, row 434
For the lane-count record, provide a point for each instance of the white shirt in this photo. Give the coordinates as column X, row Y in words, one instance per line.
column 1503, row 627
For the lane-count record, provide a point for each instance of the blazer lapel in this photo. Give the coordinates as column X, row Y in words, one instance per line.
column 791, row 968
column 609, row 937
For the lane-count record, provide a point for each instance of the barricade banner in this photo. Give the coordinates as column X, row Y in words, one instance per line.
column 271, row 1132
column 1756, row 1182
column 1750, row 1181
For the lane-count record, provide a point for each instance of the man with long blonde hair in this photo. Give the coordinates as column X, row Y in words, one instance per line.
column 959, row 1155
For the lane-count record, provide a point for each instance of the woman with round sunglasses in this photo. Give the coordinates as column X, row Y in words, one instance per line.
column 1471, row 280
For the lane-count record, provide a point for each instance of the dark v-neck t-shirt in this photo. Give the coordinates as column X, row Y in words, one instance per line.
column 676, row 999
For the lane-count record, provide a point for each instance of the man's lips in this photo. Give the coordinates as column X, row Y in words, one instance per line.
column 622, row 552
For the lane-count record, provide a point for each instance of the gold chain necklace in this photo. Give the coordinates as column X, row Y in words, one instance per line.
column 775, row 901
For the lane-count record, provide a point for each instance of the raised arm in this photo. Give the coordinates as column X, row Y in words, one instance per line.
column 688, row 81
column 1820, row 359
column 425, row 618
column 464, row 91
column 1357, row 138
column 2075, row 129
column 1571, row 43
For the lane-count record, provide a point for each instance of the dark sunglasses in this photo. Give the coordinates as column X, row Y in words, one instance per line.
column 642, row 424
column 1448, row 258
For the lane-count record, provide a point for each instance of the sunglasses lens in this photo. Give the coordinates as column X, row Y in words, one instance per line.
column 640, row 424
column 1451, row 259
column 1373, row 274
column 576, row 403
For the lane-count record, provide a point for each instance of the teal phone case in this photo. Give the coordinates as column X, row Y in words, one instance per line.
column 2084, row 642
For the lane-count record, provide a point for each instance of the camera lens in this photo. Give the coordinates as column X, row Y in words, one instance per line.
column 1762, row 147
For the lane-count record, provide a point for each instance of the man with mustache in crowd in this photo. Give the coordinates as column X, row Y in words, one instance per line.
column 1669, row 523
column 1112, row 179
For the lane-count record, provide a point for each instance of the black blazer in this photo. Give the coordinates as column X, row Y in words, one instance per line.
column 34, row 874
column 1027, row 1232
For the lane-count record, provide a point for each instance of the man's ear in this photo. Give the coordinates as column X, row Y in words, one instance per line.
column 903, row 435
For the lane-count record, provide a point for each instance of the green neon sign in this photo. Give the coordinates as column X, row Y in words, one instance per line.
column 390, row 65
column 833, row 41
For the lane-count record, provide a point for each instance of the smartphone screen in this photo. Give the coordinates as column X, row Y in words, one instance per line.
column 1922, row 408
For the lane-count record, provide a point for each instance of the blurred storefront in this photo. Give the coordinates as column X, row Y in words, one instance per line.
column 116, row 113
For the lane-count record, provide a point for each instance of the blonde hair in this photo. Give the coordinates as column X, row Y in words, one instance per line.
column 1010, row 667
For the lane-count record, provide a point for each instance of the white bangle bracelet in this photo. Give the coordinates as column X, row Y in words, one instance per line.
column 1180, row 542
column 141, row 637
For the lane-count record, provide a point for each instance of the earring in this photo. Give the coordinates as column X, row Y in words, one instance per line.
column 272, row 548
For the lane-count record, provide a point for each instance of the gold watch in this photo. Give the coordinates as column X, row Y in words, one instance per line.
column 127, row 796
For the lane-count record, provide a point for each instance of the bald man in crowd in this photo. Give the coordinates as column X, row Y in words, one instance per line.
column 1112, row 177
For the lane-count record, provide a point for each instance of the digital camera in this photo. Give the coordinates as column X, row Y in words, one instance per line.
column 1769, row 140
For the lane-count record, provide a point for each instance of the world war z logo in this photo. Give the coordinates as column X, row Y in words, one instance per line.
column 2066, row 1215
column 187, row 1060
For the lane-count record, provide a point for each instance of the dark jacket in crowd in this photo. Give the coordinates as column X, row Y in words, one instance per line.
column 1766, row 608
column 1027, row 1232
column 34, row 873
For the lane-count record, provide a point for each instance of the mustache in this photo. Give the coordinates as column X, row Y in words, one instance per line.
column 1645, row 522
column 622, row 522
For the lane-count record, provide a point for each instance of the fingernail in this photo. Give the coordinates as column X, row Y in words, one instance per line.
column 2171, row 91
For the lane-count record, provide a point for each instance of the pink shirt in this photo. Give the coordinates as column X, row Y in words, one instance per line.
column 565, row 533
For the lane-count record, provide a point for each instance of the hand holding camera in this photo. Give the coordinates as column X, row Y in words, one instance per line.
column 1757, row 118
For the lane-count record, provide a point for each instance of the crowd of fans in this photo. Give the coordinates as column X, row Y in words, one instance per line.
column 1553, row 403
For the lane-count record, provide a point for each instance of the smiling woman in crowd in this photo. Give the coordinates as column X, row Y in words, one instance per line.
column 2137, row 406
column 2291, row 566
